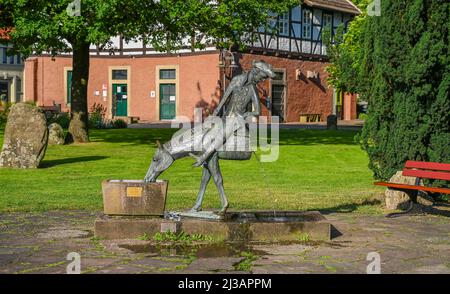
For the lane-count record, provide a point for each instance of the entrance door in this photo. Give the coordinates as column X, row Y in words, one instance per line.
column 278, row 101
column 4, row 91
column 69, row 86
column 120, row 99
column 167, row 100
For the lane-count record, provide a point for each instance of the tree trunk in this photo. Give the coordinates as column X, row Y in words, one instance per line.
column 78, row 127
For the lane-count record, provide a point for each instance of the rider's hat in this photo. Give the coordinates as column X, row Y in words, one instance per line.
column 264, row 67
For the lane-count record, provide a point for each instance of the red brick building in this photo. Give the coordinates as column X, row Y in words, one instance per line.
column 132, row 80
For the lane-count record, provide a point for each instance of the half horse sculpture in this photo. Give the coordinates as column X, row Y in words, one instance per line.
column 226, row 124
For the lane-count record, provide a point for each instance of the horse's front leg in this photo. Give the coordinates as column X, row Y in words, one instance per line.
column 214, row 168
column 206, row 176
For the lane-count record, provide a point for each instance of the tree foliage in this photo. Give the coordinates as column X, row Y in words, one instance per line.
column 404, row 74
column 344, row 51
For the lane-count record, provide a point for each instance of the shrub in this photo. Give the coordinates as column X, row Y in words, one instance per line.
column 4, row 111
column 61, row 118
column 119, row 124
column 363, row 116
column 97, row 115
column 406, row 81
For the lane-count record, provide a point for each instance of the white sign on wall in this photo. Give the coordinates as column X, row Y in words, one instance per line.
column 152, row 94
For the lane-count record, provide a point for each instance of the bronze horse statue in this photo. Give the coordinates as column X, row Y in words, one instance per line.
column 237, row 98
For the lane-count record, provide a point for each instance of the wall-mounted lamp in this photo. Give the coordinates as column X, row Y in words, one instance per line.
column 298, row 74
column 232, row 58
column 233, row 63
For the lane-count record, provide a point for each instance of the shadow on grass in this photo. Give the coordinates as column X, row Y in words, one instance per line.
column 317, row 137
column 133, row 136
column 55, row 162
column 287, row 137
column 350, row 207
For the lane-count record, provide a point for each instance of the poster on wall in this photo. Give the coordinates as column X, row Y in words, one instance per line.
column 105, row 92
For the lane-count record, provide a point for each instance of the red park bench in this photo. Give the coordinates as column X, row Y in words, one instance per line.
column 421, row 170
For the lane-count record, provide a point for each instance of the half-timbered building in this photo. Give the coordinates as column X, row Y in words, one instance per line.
column 132, row 80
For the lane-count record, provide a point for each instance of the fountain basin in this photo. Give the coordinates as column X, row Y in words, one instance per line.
column 237, row 226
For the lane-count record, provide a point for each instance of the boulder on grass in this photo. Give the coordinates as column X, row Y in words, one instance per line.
column 55, row 134
column 396, row 200
column 26, row 136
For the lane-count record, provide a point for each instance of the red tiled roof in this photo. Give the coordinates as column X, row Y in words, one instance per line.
column 339, row 5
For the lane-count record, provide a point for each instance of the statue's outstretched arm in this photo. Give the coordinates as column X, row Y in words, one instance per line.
column 224, row 99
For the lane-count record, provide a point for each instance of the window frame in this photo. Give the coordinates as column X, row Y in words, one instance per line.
column 283, row 24
column 120, row 78
column 307, row 17
column 171, row 70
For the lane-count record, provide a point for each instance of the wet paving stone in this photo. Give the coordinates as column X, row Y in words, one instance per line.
column 215, row 264
column 40, row 242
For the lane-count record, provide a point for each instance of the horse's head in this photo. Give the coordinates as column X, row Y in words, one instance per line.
column 161, row 161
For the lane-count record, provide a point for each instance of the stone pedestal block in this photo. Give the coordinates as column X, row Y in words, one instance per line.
column 134, row 198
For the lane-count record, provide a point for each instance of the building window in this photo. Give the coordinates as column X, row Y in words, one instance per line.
column 11, row 59
column 279, row 76
column 307, row 23
column 4, row 55
column 19, row 59
column 119, row 74
column 327, row 20
column 283, row 24
column 278, row 94
column 167, row 74
column 4, row 91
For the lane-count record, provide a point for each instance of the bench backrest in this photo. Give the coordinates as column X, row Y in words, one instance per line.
column 427, row 170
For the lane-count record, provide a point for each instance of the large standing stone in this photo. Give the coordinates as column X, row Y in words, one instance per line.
column 55, row 134
column 26, row 136
column 397, row 199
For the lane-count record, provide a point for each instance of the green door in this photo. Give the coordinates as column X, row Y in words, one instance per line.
column 69, row 86
column 167, row 100
column 120, row 98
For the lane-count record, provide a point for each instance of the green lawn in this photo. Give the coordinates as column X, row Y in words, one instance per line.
column 317, row 170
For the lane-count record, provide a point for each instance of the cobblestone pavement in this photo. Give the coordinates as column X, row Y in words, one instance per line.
column 39, row 243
